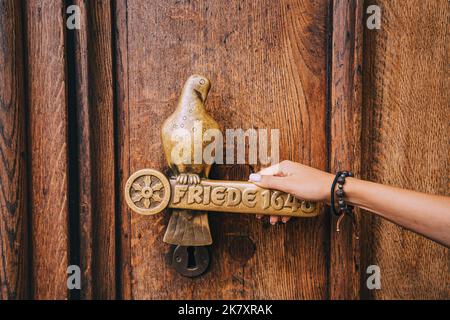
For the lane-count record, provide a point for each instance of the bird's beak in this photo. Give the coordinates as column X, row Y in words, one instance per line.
column 202, row 93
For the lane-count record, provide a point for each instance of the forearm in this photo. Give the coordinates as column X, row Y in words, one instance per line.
column 425, row 214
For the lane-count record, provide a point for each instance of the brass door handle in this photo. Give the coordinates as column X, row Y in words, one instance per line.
column 190, row 193
column 149, row 192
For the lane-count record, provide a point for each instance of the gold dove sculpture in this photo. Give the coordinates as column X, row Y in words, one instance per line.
column 188, row 227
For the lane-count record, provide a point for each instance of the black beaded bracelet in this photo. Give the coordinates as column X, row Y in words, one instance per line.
column 344, row 208
column 339, row 179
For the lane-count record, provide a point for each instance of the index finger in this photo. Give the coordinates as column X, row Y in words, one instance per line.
column 284, row 168
column 272, row 170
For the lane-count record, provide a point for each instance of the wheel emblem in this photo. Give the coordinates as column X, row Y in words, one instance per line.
column 147, row 192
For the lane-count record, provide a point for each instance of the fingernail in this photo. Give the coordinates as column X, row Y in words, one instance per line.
column 255, row 177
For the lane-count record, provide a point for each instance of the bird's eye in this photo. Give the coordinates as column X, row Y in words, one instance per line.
column 202, row 81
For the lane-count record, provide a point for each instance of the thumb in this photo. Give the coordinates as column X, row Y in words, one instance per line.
column 268, row 182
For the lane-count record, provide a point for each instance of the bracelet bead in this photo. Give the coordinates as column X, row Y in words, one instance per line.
column 343, row 208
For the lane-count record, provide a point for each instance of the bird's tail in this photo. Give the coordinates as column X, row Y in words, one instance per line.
column 188, row 228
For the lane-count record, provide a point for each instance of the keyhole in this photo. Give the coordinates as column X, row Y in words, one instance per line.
column 192, row 263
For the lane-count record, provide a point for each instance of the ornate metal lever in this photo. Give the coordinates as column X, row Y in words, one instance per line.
column 149, row 192
column 191, row 194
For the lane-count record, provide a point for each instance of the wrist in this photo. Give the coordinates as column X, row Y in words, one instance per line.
column 328, row 181
column 351, row 190
column 351, row 187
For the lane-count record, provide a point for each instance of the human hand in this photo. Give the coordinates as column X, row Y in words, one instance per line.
column 303, row 182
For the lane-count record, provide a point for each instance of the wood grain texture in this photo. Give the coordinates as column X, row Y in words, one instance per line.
column 93, row 75
column 48, row 137
column 84, row 160
column 406, row 141
column 267, row 64
column 101, row 104
column 13, row 175
column 345, row 126
column 123, row 146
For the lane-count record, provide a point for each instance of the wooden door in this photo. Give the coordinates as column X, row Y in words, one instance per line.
column 82, row 109
column 268, row 70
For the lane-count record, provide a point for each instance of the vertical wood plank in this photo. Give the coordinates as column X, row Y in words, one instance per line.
column 48, row 138
column 13, row 175
column 93, row 75
column 288, row 67
column 345, row 150
column 103, row 153
column 123, row 146
column 84, row 145
column 267, row 63
column 406, row 141
column 96, row 116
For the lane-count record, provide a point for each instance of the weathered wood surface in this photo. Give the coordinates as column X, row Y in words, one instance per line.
column 83, row 145
column 95, row 142
column 406, row 140
column 123, row 147
column 13, row 174
column 268, row 70
column 345, row 133
column 47, row 107
column 268, row 63
column 101, row 100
